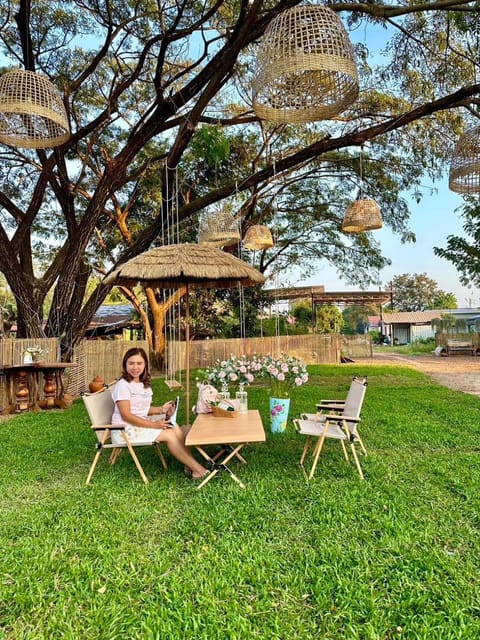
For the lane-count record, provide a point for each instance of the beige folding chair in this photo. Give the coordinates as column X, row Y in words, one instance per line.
column 340, row 423
column 100, row 406
column 331, row 406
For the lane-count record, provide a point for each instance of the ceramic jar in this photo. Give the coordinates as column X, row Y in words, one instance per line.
column 96, row 384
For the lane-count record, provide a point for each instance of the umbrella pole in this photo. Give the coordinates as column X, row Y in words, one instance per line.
column 187, row 350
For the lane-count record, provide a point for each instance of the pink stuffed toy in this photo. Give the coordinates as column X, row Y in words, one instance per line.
column 206, row 395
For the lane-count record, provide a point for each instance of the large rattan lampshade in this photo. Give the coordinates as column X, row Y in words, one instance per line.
column 306, row 69
column 32, row 114
column 257, row 238
column 218, row 228
column 464, row 175
column 362, row 215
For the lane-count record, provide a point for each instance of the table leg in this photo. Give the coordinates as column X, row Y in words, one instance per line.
column 224, row 449
column 221, row 465
column 49, row 388
column 22, row 393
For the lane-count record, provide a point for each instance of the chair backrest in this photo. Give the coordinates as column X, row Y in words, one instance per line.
column 354, row 401
column 100, row 408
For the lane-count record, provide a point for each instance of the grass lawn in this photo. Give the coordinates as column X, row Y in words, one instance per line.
column 395, row 556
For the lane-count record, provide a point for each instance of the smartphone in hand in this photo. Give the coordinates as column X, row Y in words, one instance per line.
column 173, row 418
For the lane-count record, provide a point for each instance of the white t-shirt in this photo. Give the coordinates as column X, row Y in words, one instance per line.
column 140, row 398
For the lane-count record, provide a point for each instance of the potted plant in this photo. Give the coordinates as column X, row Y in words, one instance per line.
column 284, row 374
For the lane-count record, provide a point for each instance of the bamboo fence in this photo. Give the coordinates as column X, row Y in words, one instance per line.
column 104, row 357
column 311, row 349
column 93, row 358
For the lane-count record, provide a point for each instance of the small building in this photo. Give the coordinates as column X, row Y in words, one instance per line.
column 404, row 327
column 114, row 321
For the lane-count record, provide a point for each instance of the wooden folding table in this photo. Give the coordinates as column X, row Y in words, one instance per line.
column 232, row 434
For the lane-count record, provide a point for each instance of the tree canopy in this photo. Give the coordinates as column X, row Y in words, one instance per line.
column 159, row 101
column 464, row 252
column 417, row 292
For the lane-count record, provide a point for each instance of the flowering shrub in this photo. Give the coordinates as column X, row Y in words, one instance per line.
column 284, row 374
column 234, row 371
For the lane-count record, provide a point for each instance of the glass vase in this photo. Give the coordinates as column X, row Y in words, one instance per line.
column 242, row 399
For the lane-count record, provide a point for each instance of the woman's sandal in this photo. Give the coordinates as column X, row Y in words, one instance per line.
column 202, row 477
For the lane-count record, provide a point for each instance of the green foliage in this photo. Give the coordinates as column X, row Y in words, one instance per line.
column 417, row 292
column 464, row 253
column 273, row 326
column 417, row 347
column 158, row 102
column 302, row 312
column 329, row 319
column 444, row 300
column 356, row 318
column 211, row 143
column 444, row 323
column 282, row 558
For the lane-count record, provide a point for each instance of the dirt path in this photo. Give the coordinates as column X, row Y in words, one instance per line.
column 461, row 373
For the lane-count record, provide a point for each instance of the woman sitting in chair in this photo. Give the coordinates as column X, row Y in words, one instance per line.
column 133, row 406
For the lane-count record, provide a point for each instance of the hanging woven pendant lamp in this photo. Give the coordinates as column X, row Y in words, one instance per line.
column 218, row 228
column 258, row 237
column 362, row 215
column 32, row 114
column 306, row 67
column 464, row 175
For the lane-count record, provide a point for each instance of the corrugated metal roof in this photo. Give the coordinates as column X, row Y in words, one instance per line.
column 411, row 317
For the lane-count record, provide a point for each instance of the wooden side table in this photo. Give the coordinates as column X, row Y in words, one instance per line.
column 23, row 385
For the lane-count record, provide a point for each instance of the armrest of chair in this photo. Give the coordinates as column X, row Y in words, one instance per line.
column 331, row 404
column 333, row 417
column 112, row 427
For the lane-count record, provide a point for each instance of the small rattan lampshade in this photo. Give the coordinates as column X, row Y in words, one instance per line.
column 464, row 175
column 362, row 215
column 218, row 228
column 32, row 115
column 258, row 237
column 306, row 67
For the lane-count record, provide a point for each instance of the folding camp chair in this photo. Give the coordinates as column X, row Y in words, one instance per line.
column 100, row 406
column 340, row 422
column 331, row 406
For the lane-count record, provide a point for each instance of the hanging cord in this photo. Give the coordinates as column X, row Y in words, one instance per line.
column 169, row 322
column 165, row 295
column 276, row 271
column 177, row 305
column 360, row 195
column 173, row 315
column 241, row 291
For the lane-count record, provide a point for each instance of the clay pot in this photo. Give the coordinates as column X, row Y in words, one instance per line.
column 96, row 384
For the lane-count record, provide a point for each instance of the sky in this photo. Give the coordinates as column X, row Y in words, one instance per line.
column 432, row 220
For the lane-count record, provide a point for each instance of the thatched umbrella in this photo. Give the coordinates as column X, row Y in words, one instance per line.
column 188, row 265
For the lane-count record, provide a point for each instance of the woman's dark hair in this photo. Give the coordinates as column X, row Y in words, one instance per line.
column 145, row 377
